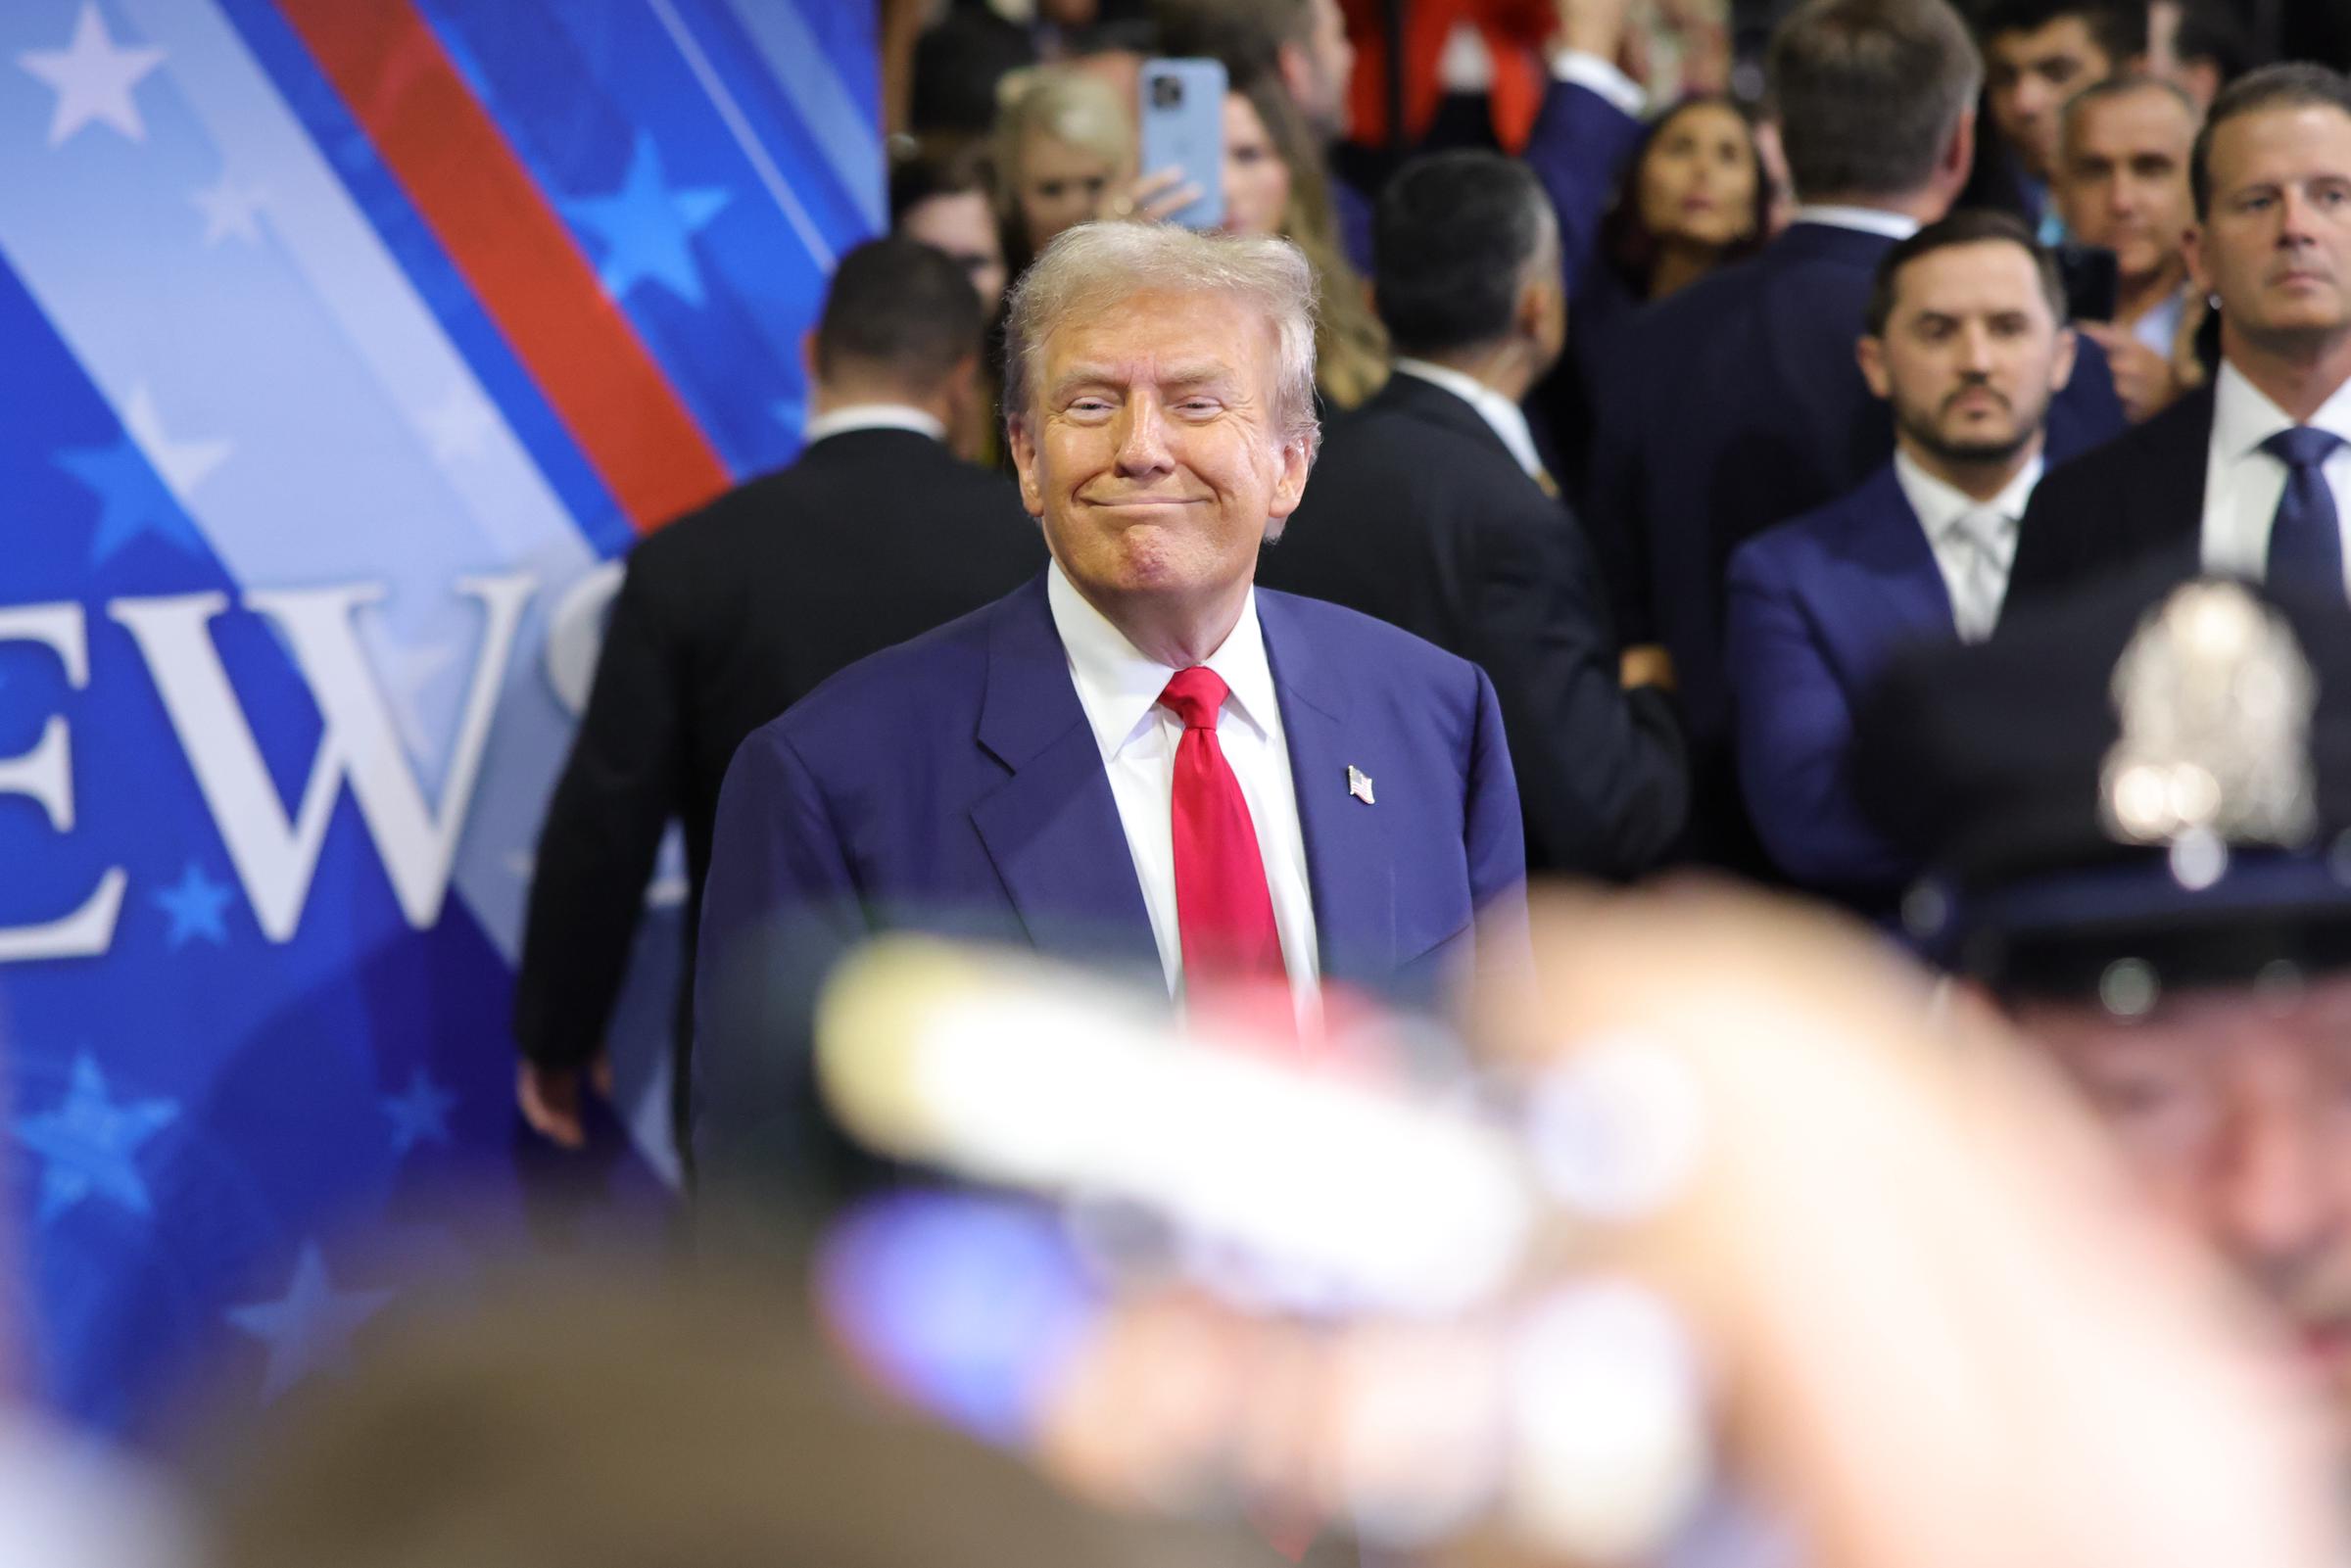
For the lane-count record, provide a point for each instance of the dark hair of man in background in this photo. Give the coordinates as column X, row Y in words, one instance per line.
column 1971, row 227
column 927, row 175
column 2211, row 32
column 2288, row 86
column 1868, row 93
column 1454, row 243
column 1247, row 35
column 899, row 307
column 2119, row 27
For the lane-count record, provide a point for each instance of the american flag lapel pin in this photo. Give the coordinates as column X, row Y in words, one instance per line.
column 1359, row 785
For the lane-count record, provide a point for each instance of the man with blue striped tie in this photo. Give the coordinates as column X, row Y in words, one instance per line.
column 2252, row 475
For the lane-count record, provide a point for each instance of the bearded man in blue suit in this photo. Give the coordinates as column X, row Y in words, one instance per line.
column 1139, row 759
column 1967, row 342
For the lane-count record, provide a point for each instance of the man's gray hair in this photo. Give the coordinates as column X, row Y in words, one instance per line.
column 1096, row 266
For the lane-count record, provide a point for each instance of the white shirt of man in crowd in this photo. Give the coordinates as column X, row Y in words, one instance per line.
column 1507, row 420
column 1974, row 349
column 2275, row 244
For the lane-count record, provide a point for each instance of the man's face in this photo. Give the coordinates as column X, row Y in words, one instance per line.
column 1152, row 451
column 2276, row 244
column 2123, row 179
column 2235, row 1114
column 963, row 226
column 1321, row 69
column 1972, row 351
column 2031, row 75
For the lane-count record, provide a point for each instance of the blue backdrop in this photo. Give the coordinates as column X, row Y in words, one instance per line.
column 343, row 343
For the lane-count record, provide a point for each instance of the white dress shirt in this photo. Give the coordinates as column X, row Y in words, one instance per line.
column 1119, row 689
column 873, row 416
column 1860, row 219
column 1974, row 540
column 2243, row 485
column 1507, row 418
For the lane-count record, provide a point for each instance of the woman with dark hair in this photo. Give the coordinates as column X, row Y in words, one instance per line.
column 1693, row 196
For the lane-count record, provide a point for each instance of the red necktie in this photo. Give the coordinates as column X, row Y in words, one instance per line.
column 1222, row 910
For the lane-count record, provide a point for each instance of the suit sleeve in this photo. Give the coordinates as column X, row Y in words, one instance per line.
column 1795, row 737
column 1577, row 148
column 618, row 790
column 779, row 909
column 1602, row 772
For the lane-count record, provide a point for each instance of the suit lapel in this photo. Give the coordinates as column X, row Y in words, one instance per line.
column 1350, row 863
column 2169, row 488
column 1052, row 827
column 1885, row 546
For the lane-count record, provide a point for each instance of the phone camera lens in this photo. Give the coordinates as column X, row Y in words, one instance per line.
column 1166, row 92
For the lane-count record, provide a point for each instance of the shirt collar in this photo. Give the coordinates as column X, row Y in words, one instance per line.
column 1866, row 219
column 1941, row 506
column 2243, row 417
column 1119, row 687
column 1507, row 419
column 874, row 416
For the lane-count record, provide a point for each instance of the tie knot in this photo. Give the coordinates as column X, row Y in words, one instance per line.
column 1984, row 526
column 2302, row 446
column 1195, row 695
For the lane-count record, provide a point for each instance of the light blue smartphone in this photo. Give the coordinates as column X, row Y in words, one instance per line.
column 1184, row 127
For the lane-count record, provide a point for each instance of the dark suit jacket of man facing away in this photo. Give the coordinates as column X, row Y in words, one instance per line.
column 954, row 786
column 1740, row 405
column 725, row 618
column 1419, row 514
column 2131, row 502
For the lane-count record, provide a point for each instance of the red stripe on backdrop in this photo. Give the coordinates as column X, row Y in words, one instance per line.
column 521, row 261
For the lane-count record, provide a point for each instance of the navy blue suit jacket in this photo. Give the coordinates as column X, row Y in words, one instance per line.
column 1816, row 608
column 952, row 785
column 1742, row 406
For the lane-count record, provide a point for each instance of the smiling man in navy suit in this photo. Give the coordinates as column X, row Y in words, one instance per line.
column 1138, row 758
column 1967, row 343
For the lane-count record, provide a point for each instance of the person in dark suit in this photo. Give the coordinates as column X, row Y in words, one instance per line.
column 1740, row 404
column 729, row 616
column 1428, row 509
column 2252, row 474
column 1967, row 343
column 1138, row 757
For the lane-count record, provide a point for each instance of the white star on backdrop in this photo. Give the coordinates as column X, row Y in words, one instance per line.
column 182, row 464
column 308, row 1329
column 459, row 425
column 93, row 78
column 228, row 209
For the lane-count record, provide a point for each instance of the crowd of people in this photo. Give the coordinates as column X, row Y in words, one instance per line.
column 1919, row 485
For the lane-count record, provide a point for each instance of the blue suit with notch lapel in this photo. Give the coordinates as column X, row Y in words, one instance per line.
column 1817, row 607
column 952, row 785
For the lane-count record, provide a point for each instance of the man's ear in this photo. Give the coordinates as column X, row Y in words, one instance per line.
column 1022, row 443
column 1869, row 352
column 2191, row 250
column 2061, row 369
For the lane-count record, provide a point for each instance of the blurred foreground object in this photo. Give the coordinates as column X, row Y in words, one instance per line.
column 2140, row 801
column 604, row 1419
column 1888, row 1265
